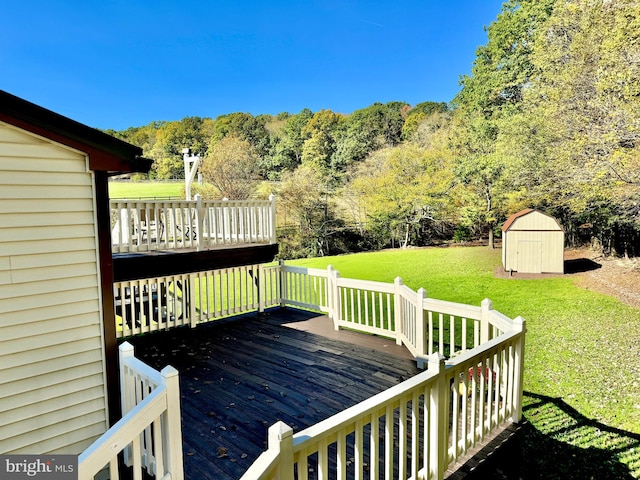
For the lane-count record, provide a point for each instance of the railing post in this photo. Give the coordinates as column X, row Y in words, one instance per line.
column 198, row 222
column 329, row 293
column 272, row 219
column 336, row 296
column 261, row 290
column 127, row 395
column 438, row 418
column 283, row 283
column 519, row 324
column 226, row 222
column 172, row 437
column 333, row 294
column 191, row 298
column 486, row 307
column 125, row 352
column 421, row 344
column 397, row 310
column 280, row 436
column 136, row 233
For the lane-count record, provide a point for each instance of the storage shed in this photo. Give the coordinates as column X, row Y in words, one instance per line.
column 58, row 375
column 532, row 242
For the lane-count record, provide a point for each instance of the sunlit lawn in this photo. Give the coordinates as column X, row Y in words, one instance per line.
column 583, row 348
column 146, row 190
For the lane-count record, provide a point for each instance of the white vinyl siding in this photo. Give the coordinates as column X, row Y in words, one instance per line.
column 52, row 393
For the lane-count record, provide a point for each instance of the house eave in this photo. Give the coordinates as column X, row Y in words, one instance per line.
column 106, row 153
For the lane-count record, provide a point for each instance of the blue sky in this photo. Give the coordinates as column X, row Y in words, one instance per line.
column 121, row 63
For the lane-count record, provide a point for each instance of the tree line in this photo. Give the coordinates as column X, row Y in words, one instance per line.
column 548, row 118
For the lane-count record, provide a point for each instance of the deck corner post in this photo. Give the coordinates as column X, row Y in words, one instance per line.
column 125, row 352
column 329, row 292
column 520, row 324
column 261, row 290
column 438, row 418
column 397, row 310
column 127, row 389
column 283, row 283
column 280, row 437
column 173, row 435
column 421, row 344
column 486, row 307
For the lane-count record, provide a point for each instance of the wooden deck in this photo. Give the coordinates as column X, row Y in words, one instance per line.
column 239, row 376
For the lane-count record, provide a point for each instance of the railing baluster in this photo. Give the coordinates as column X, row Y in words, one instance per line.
column 430, row 317
column 303, row 465
column 323, row 460
column 455, row 412
column 341, row 455
column 388, row 442
column 452, row 334
column 402, row 439
column 441, row 333
column 415, row 433
column 374, row 446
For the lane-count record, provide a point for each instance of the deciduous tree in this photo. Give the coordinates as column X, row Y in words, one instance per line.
column 489, row 97
column 586, row 95
column 369, row 129
column 231, row 166
column 321, row 132
column 404, row 190
column 171, row 138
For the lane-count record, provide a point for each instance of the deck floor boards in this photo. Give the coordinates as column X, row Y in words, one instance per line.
column 239, row 376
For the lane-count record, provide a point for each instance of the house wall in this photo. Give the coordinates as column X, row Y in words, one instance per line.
column 52, row 388
column 534, row 243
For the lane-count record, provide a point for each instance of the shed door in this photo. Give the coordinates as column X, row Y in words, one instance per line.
column 529, row 257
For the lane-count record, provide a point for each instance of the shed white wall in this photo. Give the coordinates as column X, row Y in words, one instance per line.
column 519, row 244
column 52, row 387
column 534, row 243
column 535, row 221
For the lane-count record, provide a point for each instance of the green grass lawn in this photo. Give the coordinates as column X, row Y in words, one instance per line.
column 146, row 190
column 582, row 364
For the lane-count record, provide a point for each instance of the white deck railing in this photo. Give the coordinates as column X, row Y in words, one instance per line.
column 424, row 325
column 142, row 226
column 148, row 436
column 162, row 303
column 416, row 429
column 413, row 430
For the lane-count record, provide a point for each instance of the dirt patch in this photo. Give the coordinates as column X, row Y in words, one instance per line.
column 617, row 277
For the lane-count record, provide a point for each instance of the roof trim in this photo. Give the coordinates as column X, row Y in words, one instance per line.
column 522, row 213
column 106, row 153
column 514, row 217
